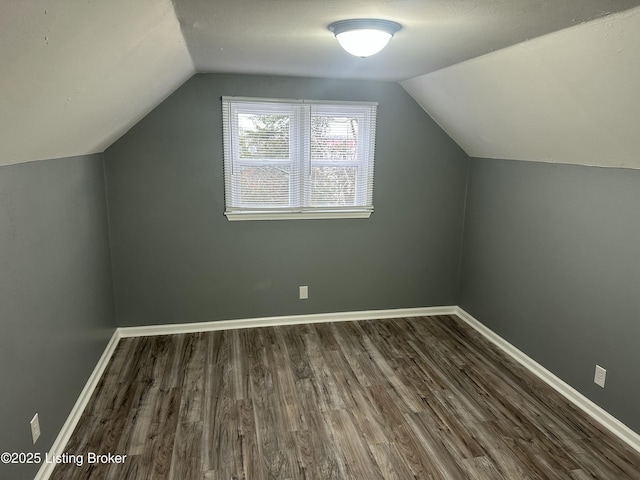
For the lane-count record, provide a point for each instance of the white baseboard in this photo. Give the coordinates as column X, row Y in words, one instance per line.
column 64, row 435
column 284, row 320
column 597, row 413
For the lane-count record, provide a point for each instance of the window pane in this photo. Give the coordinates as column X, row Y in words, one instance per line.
column 333, row 186
column 264, row 137
column 289, row 157
column 264, row 186
column 334, row 138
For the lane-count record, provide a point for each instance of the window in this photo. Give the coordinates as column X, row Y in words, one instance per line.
column 297, row 158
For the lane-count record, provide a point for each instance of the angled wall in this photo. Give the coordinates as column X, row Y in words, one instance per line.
column 177, row 259
column 567, row 97
column 77, row 75
column 56, row 296
column 551, row 263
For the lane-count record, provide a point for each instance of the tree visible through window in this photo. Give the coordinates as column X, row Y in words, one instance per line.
column 264, row 145
column 300, row 159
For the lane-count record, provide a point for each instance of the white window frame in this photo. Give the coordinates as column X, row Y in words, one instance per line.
column 300, row 158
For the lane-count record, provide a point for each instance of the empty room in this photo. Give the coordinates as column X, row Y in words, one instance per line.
column 239, row 241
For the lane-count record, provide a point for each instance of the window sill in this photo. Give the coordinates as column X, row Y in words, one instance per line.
column 239, row 216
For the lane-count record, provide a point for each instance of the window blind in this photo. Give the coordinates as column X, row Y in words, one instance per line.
column 297, row 157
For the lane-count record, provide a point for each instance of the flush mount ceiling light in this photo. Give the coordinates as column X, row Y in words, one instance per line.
column 364, row 37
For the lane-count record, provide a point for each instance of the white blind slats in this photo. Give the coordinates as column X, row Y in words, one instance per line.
column 294, row 156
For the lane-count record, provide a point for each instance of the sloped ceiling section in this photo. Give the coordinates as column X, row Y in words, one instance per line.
column 567, row 97
column 76, row 75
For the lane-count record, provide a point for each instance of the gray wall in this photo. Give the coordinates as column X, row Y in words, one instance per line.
column 551, row 262
column 56, row 296
column 177, row 259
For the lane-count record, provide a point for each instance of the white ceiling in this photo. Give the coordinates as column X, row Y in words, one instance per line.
column 568, row 97
column 75, row 75
column 290, row 37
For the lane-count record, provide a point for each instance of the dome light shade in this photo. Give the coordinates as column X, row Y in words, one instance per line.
column 364, row 37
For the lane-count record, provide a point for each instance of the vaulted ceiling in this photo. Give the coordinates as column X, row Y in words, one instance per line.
column 76, row 75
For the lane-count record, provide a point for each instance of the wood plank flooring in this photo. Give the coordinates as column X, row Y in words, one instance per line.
column 424, row 398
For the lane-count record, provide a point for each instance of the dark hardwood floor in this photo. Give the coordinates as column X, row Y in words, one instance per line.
column 424, row 398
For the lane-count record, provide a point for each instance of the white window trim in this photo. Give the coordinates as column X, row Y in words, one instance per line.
column 295, row 215
column 304, row 212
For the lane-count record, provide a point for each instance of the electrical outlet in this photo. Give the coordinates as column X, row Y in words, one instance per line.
column 600, row 376
column 304, row 292
column 35, row 427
